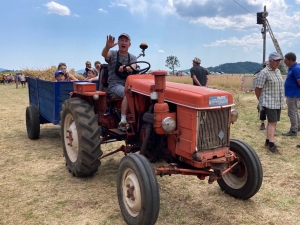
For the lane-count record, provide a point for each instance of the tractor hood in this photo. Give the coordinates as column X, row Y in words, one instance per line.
column 182, row 94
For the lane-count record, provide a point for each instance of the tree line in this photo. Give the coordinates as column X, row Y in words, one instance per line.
column 172, row 62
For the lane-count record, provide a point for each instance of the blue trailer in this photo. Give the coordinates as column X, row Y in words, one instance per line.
column 45, row 103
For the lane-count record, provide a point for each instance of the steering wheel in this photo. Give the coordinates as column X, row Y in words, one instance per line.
column 139, row 71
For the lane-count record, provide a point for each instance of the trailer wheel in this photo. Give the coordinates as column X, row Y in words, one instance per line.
column 138, row 192
column 32, row 122
column 80, row 137
column 246, row 177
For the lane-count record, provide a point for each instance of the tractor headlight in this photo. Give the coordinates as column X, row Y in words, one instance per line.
column 168, row 124
column 95, row 96
column 234, row 115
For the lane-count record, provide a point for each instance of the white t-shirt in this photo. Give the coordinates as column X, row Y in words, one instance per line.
column 22, row 77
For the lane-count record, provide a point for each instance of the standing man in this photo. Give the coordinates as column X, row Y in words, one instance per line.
column 117, row 59
column 16, row 77
column 292, row 93
column 262, row 114
column 22, row 79
column 269, row 91
column 199, row 74
column 87, row 66
column 97, row 65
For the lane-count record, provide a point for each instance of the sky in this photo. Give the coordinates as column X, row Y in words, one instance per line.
column 37, row 34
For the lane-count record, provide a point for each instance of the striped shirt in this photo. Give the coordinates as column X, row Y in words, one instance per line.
column 272, row 92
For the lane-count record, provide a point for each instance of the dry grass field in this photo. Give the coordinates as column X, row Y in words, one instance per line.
column 36, row 188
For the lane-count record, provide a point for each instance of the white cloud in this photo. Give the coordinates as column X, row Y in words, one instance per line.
column 231, row 22
column 218, row 14
column 163, row 7
column 102, row 10
column 76, row 15
column 248, row 40
column 56, row 8
column 161, row 51
column 287, row 38
column 117, row 4
column 254, row 40
column 134, row 6
column 286, row 35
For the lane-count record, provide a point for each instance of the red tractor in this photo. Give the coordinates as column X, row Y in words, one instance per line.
column 186, row 126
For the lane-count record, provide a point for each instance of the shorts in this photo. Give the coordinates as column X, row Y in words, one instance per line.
column 22, row 82
column 273, row 115
column 262, row 115
column 118, row 90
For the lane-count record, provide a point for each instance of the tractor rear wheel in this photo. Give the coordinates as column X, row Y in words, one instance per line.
column 245, row 179
column 80, row 137
column 32, row 122
column 138, row 192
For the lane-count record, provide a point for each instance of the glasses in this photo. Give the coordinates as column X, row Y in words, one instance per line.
column 88, row 64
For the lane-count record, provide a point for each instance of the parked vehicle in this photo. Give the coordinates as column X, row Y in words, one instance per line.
column 183, row 125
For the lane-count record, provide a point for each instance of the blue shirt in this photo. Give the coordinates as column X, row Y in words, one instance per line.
column 291, row 87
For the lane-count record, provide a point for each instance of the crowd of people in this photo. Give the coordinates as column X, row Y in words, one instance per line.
column 116, row 60
column 271, row 90
column 17, row 78
column 90, row 74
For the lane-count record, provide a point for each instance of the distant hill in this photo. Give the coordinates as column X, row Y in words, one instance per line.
column 1, row 69
column 80, row 71
column 238, row 67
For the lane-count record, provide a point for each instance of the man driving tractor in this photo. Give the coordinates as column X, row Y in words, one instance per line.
column 118, row 71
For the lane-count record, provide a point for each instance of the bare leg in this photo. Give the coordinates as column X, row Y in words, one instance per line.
column 123, row 125
column 270, row 131
column 124, row 107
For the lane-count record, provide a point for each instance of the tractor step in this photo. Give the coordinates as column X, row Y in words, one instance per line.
column 117, row 131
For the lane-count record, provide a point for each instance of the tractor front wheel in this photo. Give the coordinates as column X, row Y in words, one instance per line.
column 245, row 179
column 80, row 137
column 138, row 192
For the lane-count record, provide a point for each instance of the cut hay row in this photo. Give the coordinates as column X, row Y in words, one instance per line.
column 224, row 81
column 48, row 73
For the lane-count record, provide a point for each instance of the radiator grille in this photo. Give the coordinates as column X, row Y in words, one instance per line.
column 212, row 129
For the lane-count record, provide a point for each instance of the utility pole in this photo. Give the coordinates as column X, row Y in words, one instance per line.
column 262, row 19
column 264, row 33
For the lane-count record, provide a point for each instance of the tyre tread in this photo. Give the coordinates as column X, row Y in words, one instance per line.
column 86, row 121
column 150, row 186
column 251, row 187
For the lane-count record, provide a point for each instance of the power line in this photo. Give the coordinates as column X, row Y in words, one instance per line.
column 245, row 8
